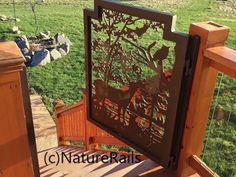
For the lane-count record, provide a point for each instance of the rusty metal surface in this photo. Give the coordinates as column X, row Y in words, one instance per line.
column 137, row 68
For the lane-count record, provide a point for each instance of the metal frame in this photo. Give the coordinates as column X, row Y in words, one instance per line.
column 167, row 152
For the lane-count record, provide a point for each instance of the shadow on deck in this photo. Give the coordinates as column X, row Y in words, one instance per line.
column 97, row 169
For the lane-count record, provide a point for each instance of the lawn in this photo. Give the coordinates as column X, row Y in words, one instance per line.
column 64, row 78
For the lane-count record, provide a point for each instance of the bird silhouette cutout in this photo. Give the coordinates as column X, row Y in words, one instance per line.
column 138, row 31
column 161, row 54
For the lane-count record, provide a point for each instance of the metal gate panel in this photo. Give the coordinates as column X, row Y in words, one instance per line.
column 138, row 76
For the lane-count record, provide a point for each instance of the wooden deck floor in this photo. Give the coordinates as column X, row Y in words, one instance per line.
column 44, row 126
column 114, row 169
column 46, row 139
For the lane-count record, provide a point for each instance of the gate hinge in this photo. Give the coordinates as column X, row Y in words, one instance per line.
column 192, row 54
column 172, row 161
column 188, row 67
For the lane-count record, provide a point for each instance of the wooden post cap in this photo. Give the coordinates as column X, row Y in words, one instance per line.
column 58, row 105
column 11, row 58
column 211, row 33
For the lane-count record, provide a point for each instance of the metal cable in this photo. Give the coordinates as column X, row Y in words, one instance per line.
column 212, row 116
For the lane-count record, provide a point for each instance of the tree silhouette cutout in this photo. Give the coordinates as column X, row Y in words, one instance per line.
column 117, row 47
column 120, row 57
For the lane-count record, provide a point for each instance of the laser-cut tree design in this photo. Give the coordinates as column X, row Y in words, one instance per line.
column 121, row 34
column 119, row 59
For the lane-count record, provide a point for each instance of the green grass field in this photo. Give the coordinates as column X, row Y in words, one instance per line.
column 66, row 76
column 62, row 79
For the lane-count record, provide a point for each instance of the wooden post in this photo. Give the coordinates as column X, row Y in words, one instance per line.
column 18, row 153
column 58, row 106
column 90, row 129
column 201, row 94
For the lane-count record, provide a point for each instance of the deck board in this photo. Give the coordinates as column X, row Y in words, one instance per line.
column 44, row 126
column 46, row 139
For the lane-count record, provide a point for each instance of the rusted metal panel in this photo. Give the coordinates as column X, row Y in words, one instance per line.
column 72, row 125
column 138, row 74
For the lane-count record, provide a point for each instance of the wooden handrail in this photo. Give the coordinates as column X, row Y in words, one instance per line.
column 72, row 125
column 222, row 59
column 200, row 167
column 69, row 108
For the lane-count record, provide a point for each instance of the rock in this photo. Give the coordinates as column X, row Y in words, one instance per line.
column 28, row 60
column 28, row 57
column 15, row 29
column 3, row 17
column 41, row 49
column 64, row 49
column 32, row 38
column 25, row 51
column 55, row 54
column 45, row 35
column 61, row 39
column 22, row 43
column 32, row 91
column 62, row 52
column 48, row 33
column 26, row 41
column 36, row 47
column 41, row 57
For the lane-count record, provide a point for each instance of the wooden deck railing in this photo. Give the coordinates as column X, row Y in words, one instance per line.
column 72, row 125
column 222, row 59
column 70, row 122
column 213, row 57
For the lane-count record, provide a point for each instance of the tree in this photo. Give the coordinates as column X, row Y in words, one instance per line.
column 33, row 4
column 14, row 10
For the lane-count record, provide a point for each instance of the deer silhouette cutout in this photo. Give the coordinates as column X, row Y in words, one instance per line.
column 121, row 97
column 152, row 84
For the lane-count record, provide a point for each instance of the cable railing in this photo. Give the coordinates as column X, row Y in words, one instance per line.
column 221, row 129
column 213, row 57
column 219, row 143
